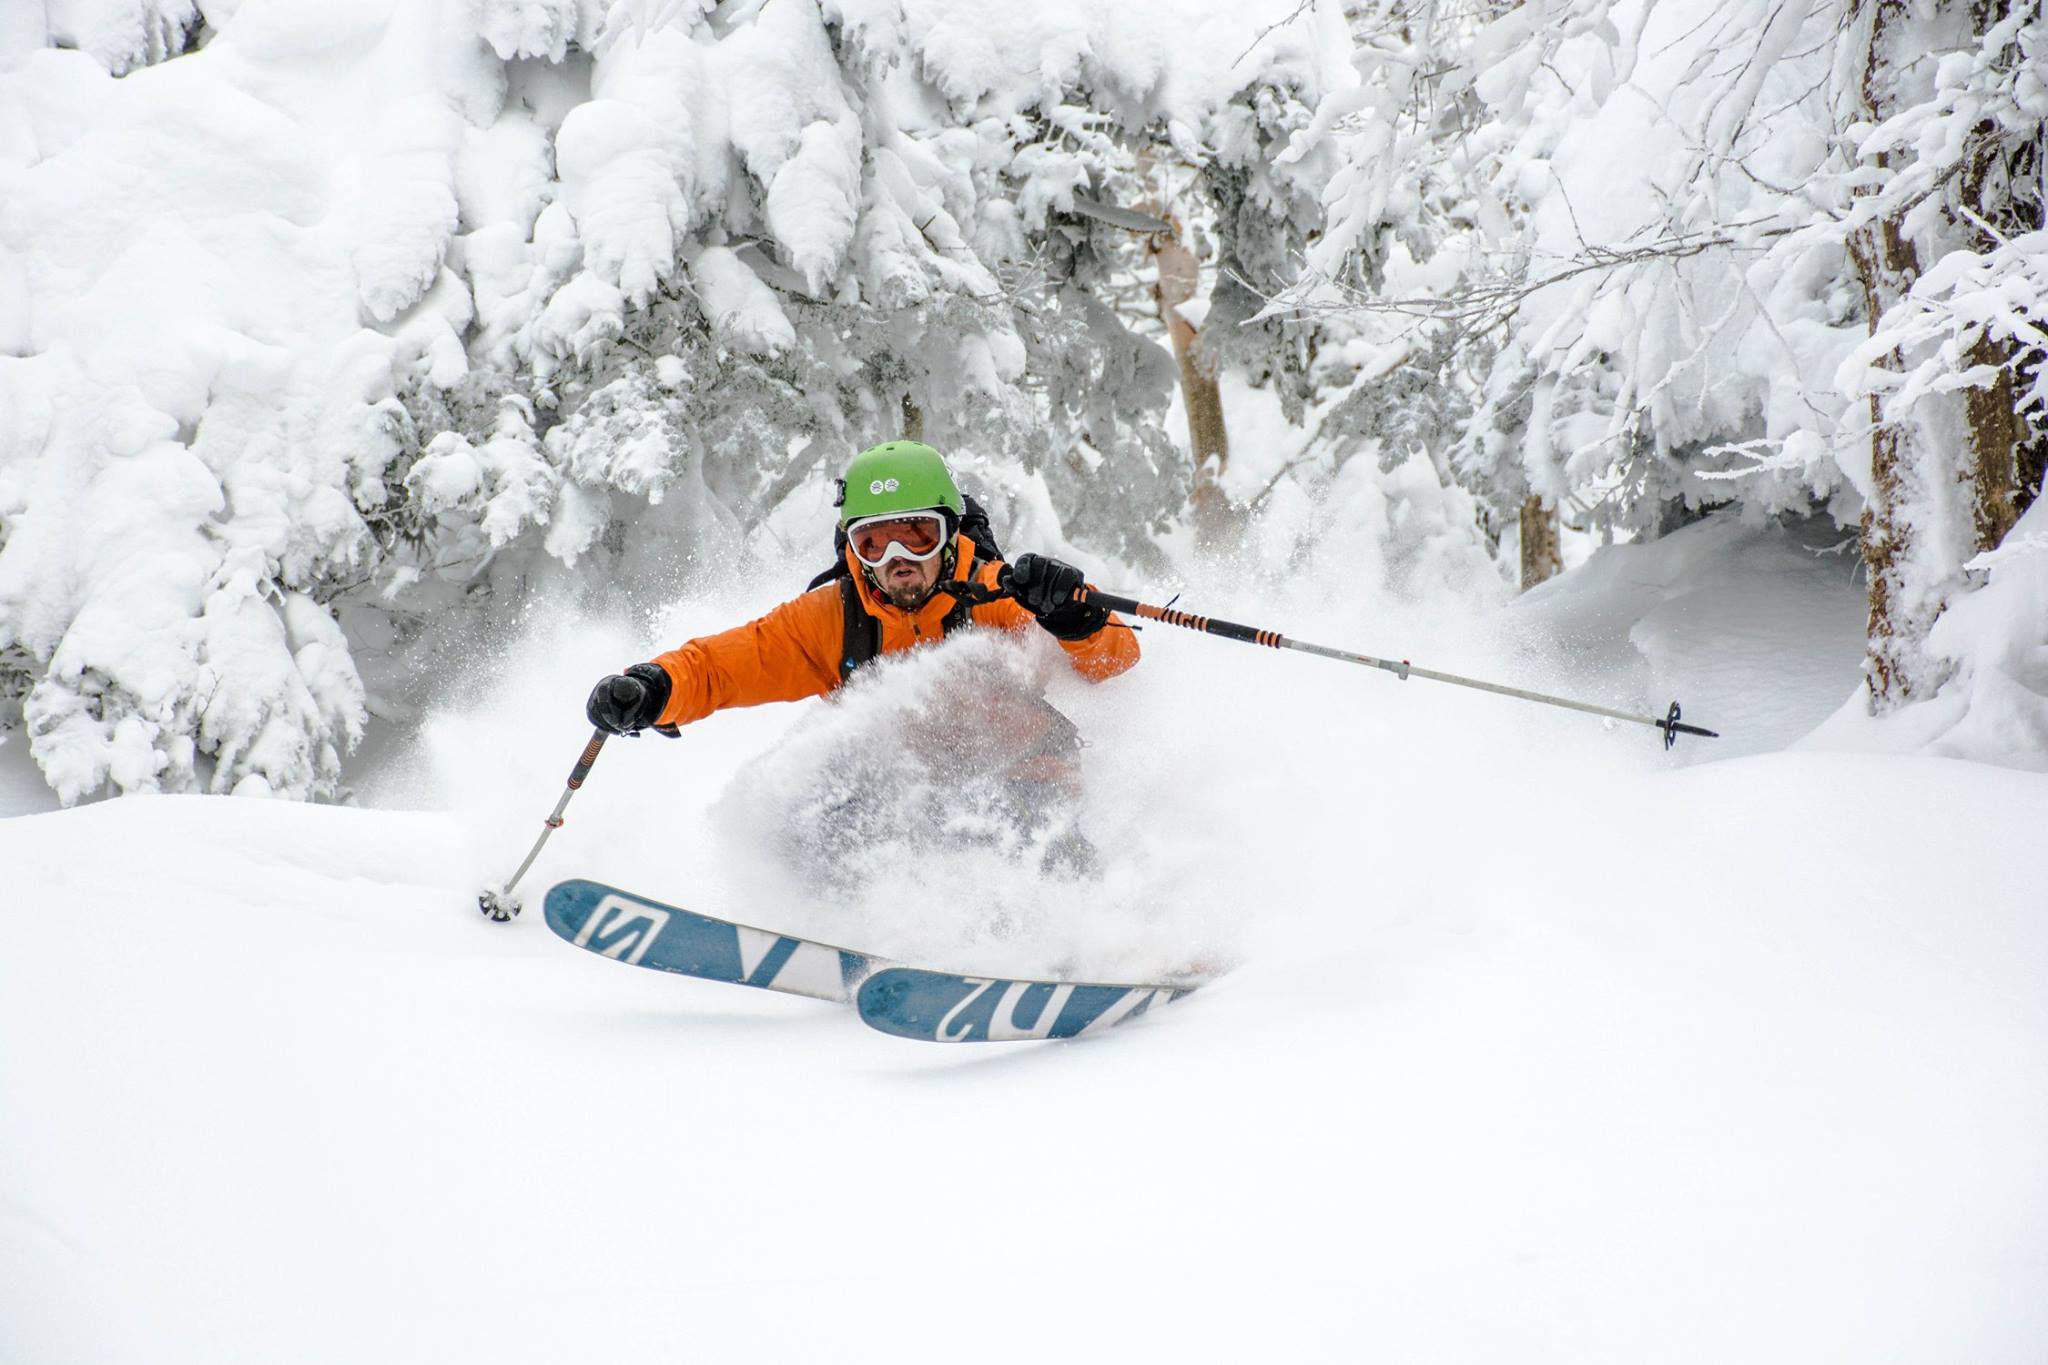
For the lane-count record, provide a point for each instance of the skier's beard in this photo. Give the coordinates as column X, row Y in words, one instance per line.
column 909, row 597
column 907, row 592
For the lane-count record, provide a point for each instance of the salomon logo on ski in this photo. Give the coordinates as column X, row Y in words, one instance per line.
column 621, row 928
column 644, row 933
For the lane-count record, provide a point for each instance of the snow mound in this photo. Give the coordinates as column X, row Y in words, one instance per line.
column 1756, row 630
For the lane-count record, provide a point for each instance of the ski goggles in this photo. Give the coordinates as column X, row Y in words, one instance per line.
column 900, row 535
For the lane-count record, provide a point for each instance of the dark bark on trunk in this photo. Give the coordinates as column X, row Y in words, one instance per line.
column 1541, row 558
column 1217, row 523
column 2006, row 451
column 1995, row 436
column 1886, row 266
column 2030, row 459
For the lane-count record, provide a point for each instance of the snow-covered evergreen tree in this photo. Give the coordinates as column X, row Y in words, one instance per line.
column 330, row 319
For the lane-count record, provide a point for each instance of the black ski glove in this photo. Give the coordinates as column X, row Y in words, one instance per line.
column 1045, row 588
column 627, row 703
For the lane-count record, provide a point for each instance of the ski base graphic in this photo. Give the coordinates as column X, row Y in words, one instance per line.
column 941, row 1007
column 644, row 933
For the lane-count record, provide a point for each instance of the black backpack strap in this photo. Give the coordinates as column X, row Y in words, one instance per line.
column 962, row 612
column 862, row 639
column 975, row 526
column 838, row 569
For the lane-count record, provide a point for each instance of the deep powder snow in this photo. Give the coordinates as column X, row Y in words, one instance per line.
column 1542, row 1045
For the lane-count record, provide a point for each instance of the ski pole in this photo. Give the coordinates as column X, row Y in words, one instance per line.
column 500, row 904
column 1402, row 669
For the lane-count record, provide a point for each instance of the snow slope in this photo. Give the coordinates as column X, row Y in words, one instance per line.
column 1758, row 1075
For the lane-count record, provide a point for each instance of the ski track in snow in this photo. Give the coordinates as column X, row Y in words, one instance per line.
column 1545, row 1046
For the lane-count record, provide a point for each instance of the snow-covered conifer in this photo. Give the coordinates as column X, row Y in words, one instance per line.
column 326, row 317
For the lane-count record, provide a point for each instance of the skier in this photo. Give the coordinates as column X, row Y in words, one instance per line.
column 906, row 536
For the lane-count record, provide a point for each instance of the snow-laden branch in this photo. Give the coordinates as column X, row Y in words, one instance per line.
column 1962, row 300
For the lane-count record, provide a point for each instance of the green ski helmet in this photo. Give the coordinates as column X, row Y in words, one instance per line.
column 899, row 476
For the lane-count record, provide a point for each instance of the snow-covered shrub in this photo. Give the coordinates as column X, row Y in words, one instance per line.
column 120, row 34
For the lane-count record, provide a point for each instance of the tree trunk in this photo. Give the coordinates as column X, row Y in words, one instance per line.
column 913, row 420
column 2006, row 452
column 1996, row 435
column 1541, row 558
column 1886, row 266
column 1950, row 475
column 1217, row 523
column 2030, row 456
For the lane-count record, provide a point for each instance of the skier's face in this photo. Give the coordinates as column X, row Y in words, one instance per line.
column 908, row 582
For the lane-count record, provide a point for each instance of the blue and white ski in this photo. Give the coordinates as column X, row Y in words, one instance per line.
column 905, row 1001
column 645, row 933
column 940, row 1007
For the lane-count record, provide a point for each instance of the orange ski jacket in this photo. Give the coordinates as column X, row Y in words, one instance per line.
column 794, row 651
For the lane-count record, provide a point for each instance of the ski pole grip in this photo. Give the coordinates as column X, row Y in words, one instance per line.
column 589, row 759
column 1110, row 600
